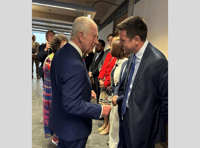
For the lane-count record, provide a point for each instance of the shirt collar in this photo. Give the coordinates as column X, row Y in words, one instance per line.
column 76, row 47
column 120, row 61
column 140, row 53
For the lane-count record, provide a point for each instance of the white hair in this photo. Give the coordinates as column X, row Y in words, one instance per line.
column 81, row 24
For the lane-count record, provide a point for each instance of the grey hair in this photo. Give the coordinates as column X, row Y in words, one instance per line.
column 81, row 24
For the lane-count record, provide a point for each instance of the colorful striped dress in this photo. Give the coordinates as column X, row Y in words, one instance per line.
column 47, row 95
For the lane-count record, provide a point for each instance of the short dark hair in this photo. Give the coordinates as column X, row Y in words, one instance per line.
column 49, row 32
column 56, row 41
column 134, row 26
column 102, row 42
column 111, row 35
column 33, row 38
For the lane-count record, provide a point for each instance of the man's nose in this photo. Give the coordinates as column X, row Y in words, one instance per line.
column 96, row 41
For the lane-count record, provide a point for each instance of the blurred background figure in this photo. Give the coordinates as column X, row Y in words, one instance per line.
column 88, row 59
column 104, row 83
column 35, row 46
column 116, row 51
column 93, row 70
column 44, row 50
column 109, row 38
column 57, row 42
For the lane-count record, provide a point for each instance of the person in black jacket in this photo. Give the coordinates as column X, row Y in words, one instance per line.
column 44, row 50
column 109, row 38
column 88, row 59
column 94, row 70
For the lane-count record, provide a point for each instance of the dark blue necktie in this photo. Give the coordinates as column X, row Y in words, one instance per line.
column 132, row 68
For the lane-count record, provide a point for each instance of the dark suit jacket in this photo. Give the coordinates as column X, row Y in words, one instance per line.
column 95, row 70
column 71, row 112
column 103, row 58
column 88, row 60
column 42, row 54
column 94, row 65
column 147, row 115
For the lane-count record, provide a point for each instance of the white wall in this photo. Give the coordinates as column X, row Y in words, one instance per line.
column 105, row 32
column 155, row 14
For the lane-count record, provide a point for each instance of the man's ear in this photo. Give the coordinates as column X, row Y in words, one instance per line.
column 81, row 36
column 137, row 39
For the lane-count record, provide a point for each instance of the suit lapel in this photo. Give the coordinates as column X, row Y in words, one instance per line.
column 80, row 58
column 127, row 70
column 142, row 64
column 99, row 56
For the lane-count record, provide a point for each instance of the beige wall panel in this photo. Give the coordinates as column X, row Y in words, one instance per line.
column 105, row 32
column 155, row 13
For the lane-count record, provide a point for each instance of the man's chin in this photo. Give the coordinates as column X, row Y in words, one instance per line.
column 90, row 50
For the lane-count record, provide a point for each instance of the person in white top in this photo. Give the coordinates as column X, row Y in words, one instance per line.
column 118, row 52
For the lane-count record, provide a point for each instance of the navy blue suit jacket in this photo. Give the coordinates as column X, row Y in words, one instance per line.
column 71, row 112
column 147, row 115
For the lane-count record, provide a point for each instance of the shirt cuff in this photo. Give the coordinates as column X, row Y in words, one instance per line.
column 120, row 98
column 101, row 112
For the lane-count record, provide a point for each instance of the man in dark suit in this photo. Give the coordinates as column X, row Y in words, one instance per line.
column 88, row 59
column 94, row 70
column 144, row 107
column 71, row 112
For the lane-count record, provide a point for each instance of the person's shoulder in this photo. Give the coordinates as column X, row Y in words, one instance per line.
column 67, row 50
column 156, row 53
column 37, row 43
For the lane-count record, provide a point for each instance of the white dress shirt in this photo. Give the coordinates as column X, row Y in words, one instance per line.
column 76, row 47
column 117, row 70
column 138, row 59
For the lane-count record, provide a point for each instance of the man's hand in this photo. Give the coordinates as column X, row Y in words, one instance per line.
column 114, row 100
column 93, row 95
column 47, row 46
column 106, row 110
column 108, row 87
column 34, row 56
column 90, row 74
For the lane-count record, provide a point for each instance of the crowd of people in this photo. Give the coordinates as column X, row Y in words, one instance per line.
column 129, row 82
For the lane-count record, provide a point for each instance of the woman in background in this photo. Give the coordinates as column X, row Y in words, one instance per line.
column 58, row 41
column 117, row 51
column 104, row 82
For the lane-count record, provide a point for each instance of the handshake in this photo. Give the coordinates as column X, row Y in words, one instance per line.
column 107, row 108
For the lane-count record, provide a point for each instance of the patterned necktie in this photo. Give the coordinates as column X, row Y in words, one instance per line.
column 132, row 68
column 83, row 60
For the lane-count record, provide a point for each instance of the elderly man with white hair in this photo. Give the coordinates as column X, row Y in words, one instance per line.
column 71, row 112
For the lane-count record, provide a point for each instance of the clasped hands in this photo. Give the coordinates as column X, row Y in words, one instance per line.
column 106, row 108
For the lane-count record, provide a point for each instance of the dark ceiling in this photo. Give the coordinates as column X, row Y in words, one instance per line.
column 58, row 15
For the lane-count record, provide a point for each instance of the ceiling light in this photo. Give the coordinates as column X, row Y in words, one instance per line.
column 89, row 15
column 54, row 6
